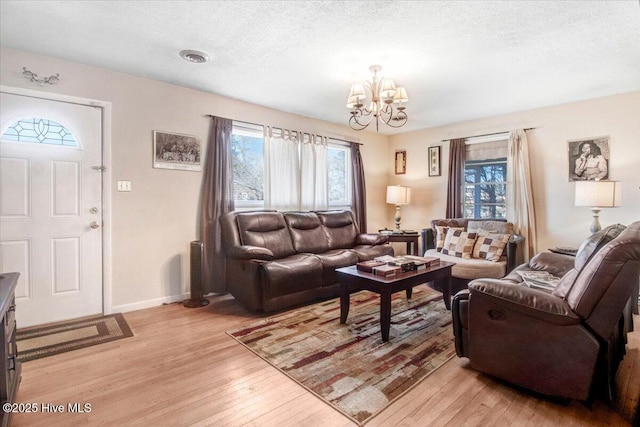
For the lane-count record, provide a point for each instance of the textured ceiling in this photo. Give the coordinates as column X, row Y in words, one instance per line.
column 458, row 60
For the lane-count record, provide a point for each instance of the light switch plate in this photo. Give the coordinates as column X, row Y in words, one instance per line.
column 124, row 185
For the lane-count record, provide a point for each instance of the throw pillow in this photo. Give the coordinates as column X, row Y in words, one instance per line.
column 441, row 233
column 490, row 246
column 459, row 243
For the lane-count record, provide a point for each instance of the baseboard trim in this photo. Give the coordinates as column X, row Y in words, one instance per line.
column 149, row 303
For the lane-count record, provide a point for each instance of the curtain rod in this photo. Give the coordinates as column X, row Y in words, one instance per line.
column 486, row 134
column 276, row 127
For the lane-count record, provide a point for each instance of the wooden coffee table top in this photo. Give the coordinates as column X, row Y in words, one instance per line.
column 353, row 271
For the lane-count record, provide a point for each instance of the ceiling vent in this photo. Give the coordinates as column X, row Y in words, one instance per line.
column 194, row 56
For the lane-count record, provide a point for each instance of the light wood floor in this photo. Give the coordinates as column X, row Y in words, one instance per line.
column 181, row 369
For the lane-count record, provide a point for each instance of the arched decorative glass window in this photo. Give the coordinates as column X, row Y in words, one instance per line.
column 40, row 131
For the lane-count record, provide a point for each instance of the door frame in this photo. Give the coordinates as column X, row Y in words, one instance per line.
column 107, row 175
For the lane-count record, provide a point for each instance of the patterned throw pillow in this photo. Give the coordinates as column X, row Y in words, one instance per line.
column 441, row 233
column 490, row 246
column 459, row 243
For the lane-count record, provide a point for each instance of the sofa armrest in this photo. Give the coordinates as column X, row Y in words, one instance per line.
column 556, row 264
column 521, row 298
column 246, row 252
column 372, row 239
column 427, row 239
column 513, row 245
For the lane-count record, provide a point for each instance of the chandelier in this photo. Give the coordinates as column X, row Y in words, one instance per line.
column 386, row 104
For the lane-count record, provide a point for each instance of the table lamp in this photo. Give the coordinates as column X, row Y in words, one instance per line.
column 398, row 195
column 598, row 195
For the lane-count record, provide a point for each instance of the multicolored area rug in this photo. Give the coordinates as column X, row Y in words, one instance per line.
column 42, row 341
column 348, row 366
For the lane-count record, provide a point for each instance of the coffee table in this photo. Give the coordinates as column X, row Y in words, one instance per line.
column 350, row 278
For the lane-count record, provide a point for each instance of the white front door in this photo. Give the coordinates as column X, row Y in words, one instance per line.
column 51, row 207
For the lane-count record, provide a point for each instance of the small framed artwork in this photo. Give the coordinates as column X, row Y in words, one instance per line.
column 401, row 162
column 434, row 161
column 589, row 159
column 176, row 151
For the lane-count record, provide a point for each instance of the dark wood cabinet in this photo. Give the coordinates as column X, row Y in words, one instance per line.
column 9, row 365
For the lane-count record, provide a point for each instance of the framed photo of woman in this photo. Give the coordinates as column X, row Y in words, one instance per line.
column 589, row 159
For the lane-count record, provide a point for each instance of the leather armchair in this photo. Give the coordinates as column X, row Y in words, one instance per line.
column 561, row 343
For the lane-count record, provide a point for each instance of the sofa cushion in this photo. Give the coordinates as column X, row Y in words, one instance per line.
column 266, row 229
column 441, row 234
column 472, row 268
column 496, row 227
column 366, row 252
column 459, row 243
column 331, row 260
column 306, row 231
column 295, row 273
column 490, row 246
column 339, row 228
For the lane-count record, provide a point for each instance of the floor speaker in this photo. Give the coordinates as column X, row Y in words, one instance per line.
column 197, row 297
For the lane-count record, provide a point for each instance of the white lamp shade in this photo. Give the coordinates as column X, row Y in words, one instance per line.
column 357, row 92
column 352, row 101
column 401, row 95
column 600, row 194
column 387, row 88
column 398, row 195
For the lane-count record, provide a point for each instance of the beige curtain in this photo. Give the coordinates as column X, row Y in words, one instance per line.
column 281, row 170
column 519, row 192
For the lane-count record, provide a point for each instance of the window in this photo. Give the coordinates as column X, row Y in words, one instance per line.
column 339, row 182
column 40, row 131
column 485, row 188
column 247, row 144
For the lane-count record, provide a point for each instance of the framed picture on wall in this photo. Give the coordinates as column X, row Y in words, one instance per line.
column 176, row 151
column 401, row 162
column 434, row 161
column 589, row 159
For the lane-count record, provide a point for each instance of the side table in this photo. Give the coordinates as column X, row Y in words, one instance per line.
column 410, row 239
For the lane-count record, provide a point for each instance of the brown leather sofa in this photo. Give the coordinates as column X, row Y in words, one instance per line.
column 277, row 260
column 566, row 343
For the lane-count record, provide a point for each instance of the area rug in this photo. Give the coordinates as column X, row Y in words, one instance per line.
column 348, row 366
column 37, row 342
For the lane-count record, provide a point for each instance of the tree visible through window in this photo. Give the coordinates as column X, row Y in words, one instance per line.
column 485, row 189
column 248, row 167
column 339, row 176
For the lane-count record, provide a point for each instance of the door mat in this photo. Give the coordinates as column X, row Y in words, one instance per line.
column 42, row 341
column 347, row 365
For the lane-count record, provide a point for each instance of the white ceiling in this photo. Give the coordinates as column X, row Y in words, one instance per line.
column 459, row 60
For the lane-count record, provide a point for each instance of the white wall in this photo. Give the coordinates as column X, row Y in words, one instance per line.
column 559, row 222
column 153, row 225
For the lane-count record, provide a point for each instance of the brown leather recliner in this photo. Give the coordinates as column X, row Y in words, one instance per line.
column 560, row 343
